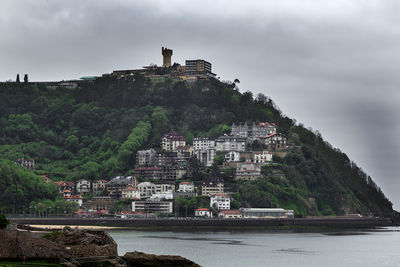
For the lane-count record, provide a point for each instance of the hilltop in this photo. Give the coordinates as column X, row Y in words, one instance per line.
column 94, row 130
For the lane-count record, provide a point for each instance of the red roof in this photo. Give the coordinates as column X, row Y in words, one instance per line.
column 202, row 209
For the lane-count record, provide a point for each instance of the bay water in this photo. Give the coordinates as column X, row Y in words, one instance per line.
column 380, row 247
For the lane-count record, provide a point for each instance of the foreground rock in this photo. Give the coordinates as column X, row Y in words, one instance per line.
column 66, row 244
column 139, row 259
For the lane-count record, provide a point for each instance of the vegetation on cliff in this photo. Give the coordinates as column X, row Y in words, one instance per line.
column 94, row 131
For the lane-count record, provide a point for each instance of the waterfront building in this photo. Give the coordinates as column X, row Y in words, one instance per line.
column 230, row 214
column 203, row 212
column 220, row 201
column 152, row 206
column 75, row 198
column 277, row 213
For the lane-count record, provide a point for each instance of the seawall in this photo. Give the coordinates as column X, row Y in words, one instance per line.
column 193, row 224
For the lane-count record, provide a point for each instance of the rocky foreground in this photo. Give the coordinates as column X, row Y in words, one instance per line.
column 72, row 247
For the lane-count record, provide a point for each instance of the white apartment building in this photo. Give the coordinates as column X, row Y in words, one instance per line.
column 186, row 187
column 262, row 157
column 220, row 201
column 83, row 186
column 130, row 193
column 206, row 156
column 230, row 143
column 202, row 143
column 172, row 140
column 146, row 189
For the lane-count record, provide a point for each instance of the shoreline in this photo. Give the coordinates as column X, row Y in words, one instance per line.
column 206, row 224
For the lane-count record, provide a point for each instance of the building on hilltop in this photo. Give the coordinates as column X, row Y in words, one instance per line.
column 167, row 54
column 198, row 67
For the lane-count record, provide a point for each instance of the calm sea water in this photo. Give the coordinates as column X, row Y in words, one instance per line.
column 355, row 248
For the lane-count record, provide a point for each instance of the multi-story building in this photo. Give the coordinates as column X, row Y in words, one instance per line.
column 166, row 158
column 220, row 201
column 27, row 163
column 253, row 132
column 99, row 186
column 149, row 173
column 262, row 157
column 83, row 186
column 130, row 193
column 146, row 189
column 232, row 156
column 152, row 206
column 173, row 172
column 212, row 186
column 203, row 212
column 186, row 187
column 184, row 152
column 230, row 143
column 247, row 171
column 118, row 183
column 146, row 157
column 206, row 156
column 164, row 187
column 62, row 186
column 202, row 143
column 99, row 203
column 276, row 141
column 198, row 67
column 172, row 140
column 75, row 198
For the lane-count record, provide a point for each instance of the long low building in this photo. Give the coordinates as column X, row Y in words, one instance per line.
column 152, row 206
column 277, row 213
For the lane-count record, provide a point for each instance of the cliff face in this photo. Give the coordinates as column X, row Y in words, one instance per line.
column 16, row 244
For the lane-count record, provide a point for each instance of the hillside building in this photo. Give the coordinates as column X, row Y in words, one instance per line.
column 230, row 143
column 212, row 186
column 220, row 201
column 172, row 140
column 146, row 157
column 253, row 132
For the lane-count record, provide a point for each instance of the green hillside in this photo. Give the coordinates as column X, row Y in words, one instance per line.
column 94, row 131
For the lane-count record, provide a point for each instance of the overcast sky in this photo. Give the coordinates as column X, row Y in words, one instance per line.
column 332, row 65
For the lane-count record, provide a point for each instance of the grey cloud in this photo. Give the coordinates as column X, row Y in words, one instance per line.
column 332, row 65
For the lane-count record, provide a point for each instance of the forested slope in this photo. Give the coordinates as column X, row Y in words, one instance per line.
column 94, row 131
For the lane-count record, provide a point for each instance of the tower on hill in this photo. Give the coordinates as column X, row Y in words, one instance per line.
column 167, row 54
